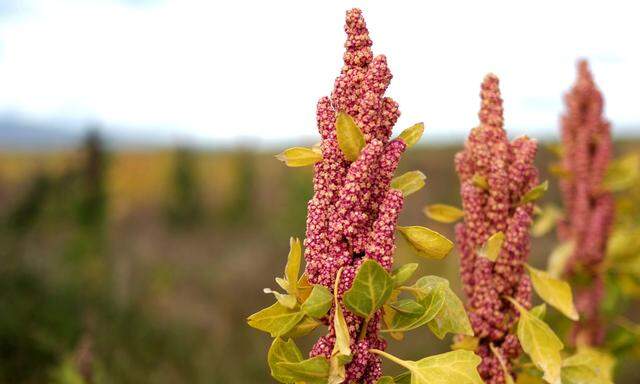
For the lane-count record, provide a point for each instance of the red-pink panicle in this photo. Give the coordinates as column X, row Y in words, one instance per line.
column 353, row 213
column 587, row 151
column 510, row 173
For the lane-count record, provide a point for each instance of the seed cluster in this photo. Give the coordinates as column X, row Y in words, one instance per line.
column 352, row 215
column 587, row 151
column 508, row 169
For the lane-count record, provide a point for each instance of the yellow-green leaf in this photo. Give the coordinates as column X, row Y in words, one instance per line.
column 409, row 182
column 412, row 135
column 468, row 343
column 343, row 340
column 386, row 380
column 452, row 317
column 503, row 364
column 404, row 273
column 303, row 328
column 426, row 242
column 443, row 213
column 288, row 301
column 555, row 292
column 588, row 365
column 559, row 171
column 299, row 156
column 292, row 270
column 430, row 298
column 350, row 137
column 546, row 221
column 282, row 352
column 480, row 182
column 371, row 288
column 408, row 307
column 539, row 311
column 559, row 257
column 337, row 371
column 311, row 371
column 492, row 247
column 456, row 367
column 535, row 193
column 283, row 283
column 276, row 319
column 540, row 343
column 318, row 303
column 622, row 173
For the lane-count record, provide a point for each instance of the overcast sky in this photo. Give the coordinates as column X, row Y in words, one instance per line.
column 253, row 70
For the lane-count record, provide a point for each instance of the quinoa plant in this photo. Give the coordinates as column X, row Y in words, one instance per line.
column 348, row 286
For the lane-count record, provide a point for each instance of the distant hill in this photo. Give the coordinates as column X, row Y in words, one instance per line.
column 20, row 134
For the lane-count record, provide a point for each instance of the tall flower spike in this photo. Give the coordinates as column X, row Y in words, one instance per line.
column 353, row 213
column 587, row 147
column 508, row 169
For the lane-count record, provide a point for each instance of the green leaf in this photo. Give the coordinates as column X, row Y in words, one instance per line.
column 539, row 311
column 318, row 303
column 492, row 247
column 288, row 301
column 404, row 273
column 588, row 365
column 371, row 288
column 299, row 156
column 555, row 292
column 303, row 328
column 350, row 137
column 403, row 378
column 343, row 340
column 311, row 371
column 386, row 380
column 409, row 182
column 546, row 221
column 430, row 298
column 452, row 317
column 535, row 193
column 622, row 173
column 337, row 370
column 503, row 364
column 292, row 270
column 283, row 352
column 427, row 243
column 276, row 319
column 283, row 283
column 412, row 135
column 468, row 343
column 408, row 307
column 559, row 258
column 443, row 213
column 480, row 182
column 540, row 343
column 456, row 367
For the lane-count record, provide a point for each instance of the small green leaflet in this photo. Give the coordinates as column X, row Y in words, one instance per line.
column 540, row 343
column 480, row 182
column 404, row 273
column 443, row 213
column 318, row 303
column 555, row 292
column 431, row 299
column 283, row 352
column 539, row 311
column 492, row 247
column 371, row 288
column 342, row 345
column 535, row 193
column 292, row 270
column 288, row 301
column 412, row 135
column 409, row 182
column 452, row 317
column 427, row 243
column 408, row 307
column 622, row 173
column 310, row 371
column 299, row 156
column 276, row 319
column 350, row 137
column 456, row 367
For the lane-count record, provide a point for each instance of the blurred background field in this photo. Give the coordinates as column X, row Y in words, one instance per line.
column 142, row 265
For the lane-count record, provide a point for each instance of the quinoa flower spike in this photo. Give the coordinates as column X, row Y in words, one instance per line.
column 348, row 285
column 499, row 185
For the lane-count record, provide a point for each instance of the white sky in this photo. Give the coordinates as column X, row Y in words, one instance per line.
column 253, row 70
